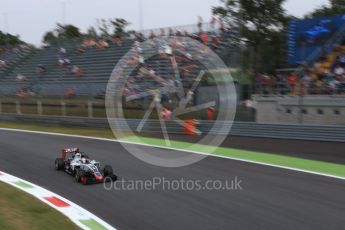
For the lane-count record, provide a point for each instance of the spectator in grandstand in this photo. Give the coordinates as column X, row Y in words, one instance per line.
column 76, row 71
column 69, row 92
column 81, row 49
column 339, row 70
column 166, row 114
column 168, row 50
column 273, row 84
column 263, row 84
column 200, row 21
column 117, row 39
column 292, row 80
column 215, row 42
column 204, row 37
column 341, row 59
column 335, row 85
column 281, row 84
column 89, row 42
column 171, row 32
column 23, row 47
column 2, row 64
column 64, row 62
column 40, row 69
column 105, row 43
column 102, row 44
column 92, row 43
column 45, row 45
column 324, row 87
column 60, row 61
column 62, row 51
column 139, row 37
column 306, row 82
column 270, row 82
column 137, row 46
column 135, row 60
column 341, row 84
column 150, row 71
column 162, row 32
column 16, row 50
column 20, row 78
column 152, row 35
column 23, row 92
column 185, row 33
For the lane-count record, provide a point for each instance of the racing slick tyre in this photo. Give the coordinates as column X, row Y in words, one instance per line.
column 78, row 175
column 113, row 177
column 108, row 171
column 59, row 164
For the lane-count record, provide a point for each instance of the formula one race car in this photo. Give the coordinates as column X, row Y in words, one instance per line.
column 82, row 168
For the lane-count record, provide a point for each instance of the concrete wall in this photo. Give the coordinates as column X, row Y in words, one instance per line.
column 320, row 110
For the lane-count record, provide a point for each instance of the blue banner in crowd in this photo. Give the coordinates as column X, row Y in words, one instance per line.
column 305, row 36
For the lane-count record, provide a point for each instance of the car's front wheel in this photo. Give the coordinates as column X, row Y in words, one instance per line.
column 109, row 173
column 108, row 170
column 78, row 175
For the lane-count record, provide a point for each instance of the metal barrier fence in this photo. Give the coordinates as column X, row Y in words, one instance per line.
column 248, row 129
column 284, row 88
column 86, row 107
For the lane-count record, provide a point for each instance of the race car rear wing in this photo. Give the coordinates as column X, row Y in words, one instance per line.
column 65, row 151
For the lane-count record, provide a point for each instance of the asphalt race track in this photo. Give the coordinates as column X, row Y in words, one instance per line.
column 271, row 198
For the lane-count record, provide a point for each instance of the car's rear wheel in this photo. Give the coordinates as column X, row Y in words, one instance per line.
column 59, row 163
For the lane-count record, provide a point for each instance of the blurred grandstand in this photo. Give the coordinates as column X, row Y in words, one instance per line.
column 79, row 68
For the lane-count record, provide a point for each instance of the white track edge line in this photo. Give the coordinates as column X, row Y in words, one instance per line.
column 177, row 149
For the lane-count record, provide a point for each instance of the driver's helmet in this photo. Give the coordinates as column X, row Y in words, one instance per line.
column 77, row 155
column 84, row 160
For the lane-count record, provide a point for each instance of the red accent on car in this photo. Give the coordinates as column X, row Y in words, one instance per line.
column 57, row 202
column 63, row 154
column 83, row 180
column 98, row 178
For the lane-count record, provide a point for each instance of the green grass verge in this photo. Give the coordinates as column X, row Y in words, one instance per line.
column 19, row 211
column 266, row 158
